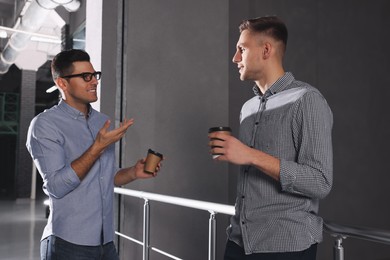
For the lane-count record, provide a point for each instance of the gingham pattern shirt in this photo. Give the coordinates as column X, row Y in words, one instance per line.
column 293, row 122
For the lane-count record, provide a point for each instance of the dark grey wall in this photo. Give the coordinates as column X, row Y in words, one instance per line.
column 354, row 78
column 179, row 80
column 341, row 47
column 176, row 88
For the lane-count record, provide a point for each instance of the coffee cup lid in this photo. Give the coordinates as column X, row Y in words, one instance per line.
column 155, row 153
column 220, row 128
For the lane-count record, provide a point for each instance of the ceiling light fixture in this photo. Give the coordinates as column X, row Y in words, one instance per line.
column 44, row 39
column 25, row 7
column 51, row 89
column 46, row 36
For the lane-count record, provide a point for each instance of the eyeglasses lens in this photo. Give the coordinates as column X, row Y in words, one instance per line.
column 88, row 76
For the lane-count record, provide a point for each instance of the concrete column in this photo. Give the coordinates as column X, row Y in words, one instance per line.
column 27, row 112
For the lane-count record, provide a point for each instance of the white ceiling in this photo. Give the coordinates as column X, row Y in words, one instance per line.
column 40, row 50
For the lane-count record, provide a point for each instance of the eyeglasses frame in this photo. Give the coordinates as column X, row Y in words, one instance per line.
column 96, row 74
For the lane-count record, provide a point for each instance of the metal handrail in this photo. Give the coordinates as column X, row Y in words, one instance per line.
column 212, row 208
column 341, row 232
column 338, row 231
column 365, row 233
column 190, row 203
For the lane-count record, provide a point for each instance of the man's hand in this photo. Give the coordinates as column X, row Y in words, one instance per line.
column 232, row 150
column 236, row 152
column 141, row 174
column 130, row 174
column 105, row 137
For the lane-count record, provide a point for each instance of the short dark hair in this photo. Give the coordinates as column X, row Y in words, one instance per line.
column 269, row 25
column 62, row 63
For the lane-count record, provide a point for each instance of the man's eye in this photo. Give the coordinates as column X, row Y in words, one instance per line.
column 241, row 49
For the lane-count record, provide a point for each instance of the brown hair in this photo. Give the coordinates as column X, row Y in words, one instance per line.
column 271, row 26
column 62, row 63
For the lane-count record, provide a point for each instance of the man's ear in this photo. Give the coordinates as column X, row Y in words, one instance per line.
column 61, row 83
column 267, row 50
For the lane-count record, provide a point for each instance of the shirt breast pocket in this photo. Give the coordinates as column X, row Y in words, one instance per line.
column 272, row 133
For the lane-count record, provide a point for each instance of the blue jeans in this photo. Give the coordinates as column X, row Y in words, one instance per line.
column 55, row 248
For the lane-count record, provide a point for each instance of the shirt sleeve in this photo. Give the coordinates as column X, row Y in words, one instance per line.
column 45, row 144
column 311, row 174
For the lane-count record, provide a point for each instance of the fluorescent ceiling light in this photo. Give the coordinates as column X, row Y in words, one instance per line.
column 44, row 39
column 30, row 33
column 51, row 89
column 25, row 7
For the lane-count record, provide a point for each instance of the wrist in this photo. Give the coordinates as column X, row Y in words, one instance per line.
column 253, row 157
column 133, row 173
column 96, row 150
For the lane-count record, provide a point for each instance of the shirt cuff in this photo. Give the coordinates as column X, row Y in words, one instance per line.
column 287, row 175
column 71, row 179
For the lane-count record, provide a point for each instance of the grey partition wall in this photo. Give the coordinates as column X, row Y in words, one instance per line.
column 176, row 88
column 168, row 65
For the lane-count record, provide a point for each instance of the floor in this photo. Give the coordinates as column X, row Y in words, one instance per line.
column 21, row 225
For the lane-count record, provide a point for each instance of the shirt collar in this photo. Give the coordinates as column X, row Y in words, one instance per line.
column 73, row 112
column 279, row 85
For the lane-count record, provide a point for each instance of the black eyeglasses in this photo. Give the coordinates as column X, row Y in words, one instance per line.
column 87, row 76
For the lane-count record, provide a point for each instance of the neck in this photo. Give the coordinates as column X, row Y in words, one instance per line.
column 83, row 108
column 266, row 82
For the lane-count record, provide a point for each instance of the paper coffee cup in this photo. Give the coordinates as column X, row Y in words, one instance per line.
column 152, row 160
column 223, row 129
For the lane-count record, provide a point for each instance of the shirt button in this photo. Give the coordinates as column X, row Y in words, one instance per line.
column 243, row 222
column 256, row 123
column 243, row 197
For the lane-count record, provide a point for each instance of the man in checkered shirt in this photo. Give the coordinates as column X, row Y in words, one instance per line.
column 284, row 151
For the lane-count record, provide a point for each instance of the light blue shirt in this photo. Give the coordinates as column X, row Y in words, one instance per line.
column 81, row 212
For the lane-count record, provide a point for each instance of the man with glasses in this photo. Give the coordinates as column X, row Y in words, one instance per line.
column 72, row 146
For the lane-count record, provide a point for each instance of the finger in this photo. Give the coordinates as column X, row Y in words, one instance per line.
column 125, row 125
column 216, row 143
column 218, row 135
column 106, row 125
column 127, row 122
column 217, row 150
column 121, row 130
column 158, row 168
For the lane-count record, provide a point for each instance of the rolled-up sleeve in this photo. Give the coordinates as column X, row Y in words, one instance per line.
column 311, row 174
column 46, row 146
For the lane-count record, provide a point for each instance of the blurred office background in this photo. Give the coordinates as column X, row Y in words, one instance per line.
column 168, row 65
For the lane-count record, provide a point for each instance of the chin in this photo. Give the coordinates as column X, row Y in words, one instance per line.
column 243, row 78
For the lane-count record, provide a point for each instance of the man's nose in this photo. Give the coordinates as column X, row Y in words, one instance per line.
column 236, row 57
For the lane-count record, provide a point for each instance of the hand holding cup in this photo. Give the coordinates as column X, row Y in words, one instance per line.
column 153, row 158
column 221, row 129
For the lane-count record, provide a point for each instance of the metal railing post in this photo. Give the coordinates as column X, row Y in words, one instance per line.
column 338, row 250
column 146, row 230
column 212, row 235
